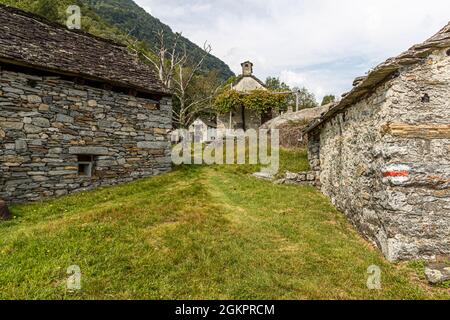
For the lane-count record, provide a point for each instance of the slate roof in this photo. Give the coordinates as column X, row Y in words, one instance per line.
column 363, row 86
column 239, row 78
column 31, row 41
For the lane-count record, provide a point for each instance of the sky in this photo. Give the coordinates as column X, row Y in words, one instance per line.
column 319, row 44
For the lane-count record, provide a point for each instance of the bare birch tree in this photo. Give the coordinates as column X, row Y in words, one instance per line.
column 177, row 71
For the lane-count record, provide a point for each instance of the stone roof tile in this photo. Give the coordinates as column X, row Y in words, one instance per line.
column 32, row 41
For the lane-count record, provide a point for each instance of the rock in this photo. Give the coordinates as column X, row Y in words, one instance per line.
column 2, row 134
column 34, row 99
column 55, row 151
column 12, row 90
column 11, row 125
column 43, row 107
column 21, row 145
column 437, row 273
column 41, row 122
column 47, row 100
column 29, row 128
column 75, row 92
column 64, row 118
column 4, row 212
column 160, row 131
column 151, row 145
column 291, row 175
column 92, row 103
column 98, row 151
column 301, row 179
column 106, row 163
column 263, row 175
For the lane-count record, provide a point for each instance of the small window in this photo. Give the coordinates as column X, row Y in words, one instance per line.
column 85, row 165
column 32, row 83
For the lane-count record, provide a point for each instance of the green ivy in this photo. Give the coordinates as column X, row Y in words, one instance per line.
column 258, row 100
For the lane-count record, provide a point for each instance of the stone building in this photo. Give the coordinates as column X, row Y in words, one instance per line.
column 76, row 111
column 383, row 152
column 203, row 130
column 241, row 118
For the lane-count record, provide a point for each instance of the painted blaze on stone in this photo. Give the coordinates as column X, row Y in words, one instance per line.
column 384, row 161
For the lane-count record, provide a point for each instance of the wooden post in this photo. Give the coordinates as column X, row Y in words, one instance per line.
column 4, row 212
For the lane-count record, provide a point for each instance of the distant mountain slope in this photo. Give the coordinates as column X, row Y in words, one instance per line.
column 128, row 16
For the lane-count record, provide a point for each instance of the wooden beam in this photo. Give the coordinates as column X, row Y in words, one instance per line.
column 417, row 131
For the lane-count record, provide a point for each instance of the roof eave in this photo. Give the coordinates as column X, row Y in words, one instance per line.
column 127, row 85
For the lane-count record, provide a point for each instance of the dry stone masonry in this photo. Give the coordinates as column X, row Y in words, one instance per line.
column 383, row 153
column 76, row 112
column 47, row 128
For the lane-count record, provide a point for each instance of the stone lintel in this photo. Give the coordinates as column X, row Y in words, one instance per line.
column 98, row 151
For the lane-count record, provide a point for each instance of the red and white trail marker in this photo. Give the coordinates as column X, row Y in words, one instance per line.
column 397, row 173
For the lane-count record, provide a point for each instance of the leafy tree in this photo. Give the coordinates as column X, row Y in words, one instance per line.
column 306, row 98
column 48, row 9
column 274, row 84
column 328, row 99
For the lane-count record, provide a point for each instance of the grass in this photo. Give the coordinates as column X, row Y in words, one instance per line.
column 196, row 233
column 293, row 160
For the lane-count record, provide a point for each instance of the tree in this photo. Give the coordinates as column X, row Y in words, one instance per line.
column 47, row 9
column 328, row 99
column 274, row 84
column 306, row 99
column 178, row 73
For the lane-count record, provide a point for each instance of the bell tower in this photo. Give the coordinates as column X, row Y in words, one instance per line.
column 247, row 68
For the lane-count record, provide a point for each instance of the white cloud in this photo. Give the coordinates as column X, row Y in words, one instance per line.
column 321, row 44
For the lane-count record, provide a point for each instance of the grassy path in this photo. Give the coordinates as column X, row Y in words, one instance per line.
column 197, row 233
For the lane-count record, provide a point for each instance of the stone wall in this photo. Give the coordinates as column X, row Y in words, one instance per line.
column 314, row 154
column 252, row 120
column 385, row 162
column 308, row 178
column 46, row 123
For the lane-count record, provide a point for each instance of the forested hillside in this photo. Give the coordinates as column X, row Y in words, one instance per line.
column 130, row 18
column 114, row 19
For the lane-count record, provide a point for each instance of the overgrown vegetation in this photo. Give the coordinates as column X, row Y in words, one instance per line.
column 278, row 97
column 258, row 100
column 196, row 233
